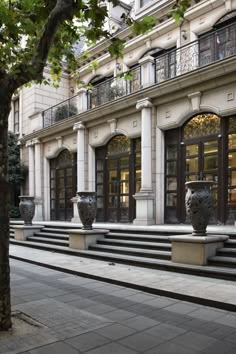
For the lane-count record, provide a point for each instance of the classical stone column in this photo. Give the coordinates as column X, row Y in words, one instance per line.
column 80, row 128
column 91, row 169
column 145, row 197
column 147, row 71
column 82, row 104
column 160, row 176
column 38, row 182
column 30, row 145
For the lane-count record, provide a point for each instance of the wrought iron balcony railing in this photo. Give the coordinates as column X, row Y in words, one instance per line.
column 217, row 45
column 208, row 49
column 114, row 88
column 61, row 111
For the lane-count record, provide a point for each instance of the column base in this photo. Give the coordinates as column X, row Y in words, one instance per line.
column 144, row 208
column 22, row 232
column 195, row 250
column 81, row 239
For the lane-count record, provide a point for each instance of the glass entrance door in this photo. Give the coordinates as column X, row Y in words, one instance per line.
column 201, row 163
column 118, row 189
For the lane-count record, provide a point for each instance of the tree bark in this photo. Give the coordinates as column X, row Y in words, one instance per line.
column 5, row 301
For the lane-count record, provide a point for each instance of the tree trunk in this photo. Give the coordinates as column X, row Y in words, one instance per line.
column 5, row 301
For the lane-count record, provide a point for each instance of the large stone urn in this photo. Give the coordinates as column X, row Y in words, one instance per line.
column 27, row 209
column 199, row 204
column 87, row 207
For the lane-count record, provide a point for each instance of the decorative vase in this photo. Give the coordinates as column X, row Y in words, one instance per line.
column 199, row 204
column 87, row 207
column 27, row 209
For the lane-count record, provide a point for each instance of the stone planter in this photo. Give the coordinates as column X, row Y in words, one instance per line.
column 27, row 209
column 87, row 207
column 199, row 203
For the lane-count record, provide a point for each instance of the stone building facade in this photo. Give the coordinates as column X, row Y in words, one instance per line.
column 137, row 139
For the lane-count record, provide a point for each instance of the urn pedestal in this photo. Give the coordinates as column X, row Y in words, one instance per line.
column 198, row 247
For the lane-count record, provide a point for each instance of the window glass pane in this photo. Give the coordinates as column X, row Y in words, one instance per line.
column 124, row 202
column 124, row 174
column 99, row 177
column 124, row 161
column 210, row 146
column 171, row 152
column 210, row 162
column 191, row 149
column 232, row 178
column 53, row 173
column 113, row 187
column 171, row 199
column 192, row 165
column 138, row 186
column 99, row 189
column 232, row 123
column 232, row 159
column 201, row 125
column 113, row 201
column 138, row 159
column 112, row 164
column 138, row 144
column 124, row 187
column 99, row 202
column 232, row 196
column 171, row 167
column 232, row 141
column 112, row 175
column 171, row 183
column 99, row 164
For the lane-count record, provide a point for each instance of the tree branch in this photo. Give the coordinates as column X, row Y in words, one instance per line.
column 63, row 10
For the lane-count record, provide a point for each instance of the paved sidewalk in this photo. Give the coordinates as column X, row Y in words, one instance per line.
column 200, row 290
column 73, row 315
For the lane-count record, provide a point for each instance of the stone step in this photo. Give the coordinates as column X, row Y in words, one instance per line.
column 208, row 271
column 220, row 261
column 48, row 241
column 226, row 252
column 56, row 230
column 231, row 243
column 131, row 251
column 137, row 237
column 135, row 244
column 52, row 235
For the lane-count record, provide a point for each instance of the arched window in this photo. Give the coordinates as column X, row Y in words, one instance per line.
column 202, row 125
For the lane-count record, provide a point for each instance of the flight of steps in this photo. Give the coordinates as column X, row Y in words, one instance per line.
column 145, row 249
column 226, row 256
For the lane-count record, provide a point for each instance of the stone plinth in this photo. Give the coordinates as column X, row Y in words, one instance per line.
column 81, row 239
column 22, row 232
column 195, row 250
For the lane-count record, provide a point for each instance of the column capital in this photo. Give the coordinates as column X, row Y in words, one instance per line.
column 146, row 59
column 144, row 103
column 79, row 126
column 36, row 141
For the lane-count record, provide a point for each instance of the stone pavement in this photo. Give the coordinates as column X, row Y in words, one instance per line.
column 73, row 314
column 207, row 291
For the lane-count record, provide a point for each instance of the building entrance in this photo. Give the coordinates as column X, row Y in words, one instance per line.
column 203, row 149
column 118, row 176
column 62, row 186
